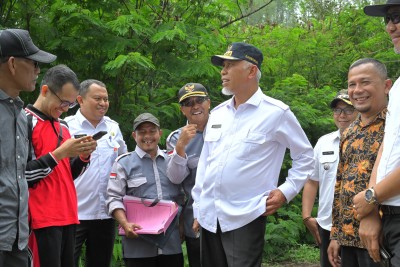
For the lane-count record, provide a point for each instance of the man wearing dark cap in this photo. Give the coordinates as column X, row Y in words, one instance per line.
column 384, row 187
column 237, row 176
column 142, row 173
column 184, row 146
column 19, row 70
column 326, row 156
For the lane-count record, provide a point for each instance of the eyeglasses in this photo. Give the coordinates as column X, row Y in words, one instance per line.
column 394, row 17
column 346, row 111
column 190, row 102
column 35, row 63
column 64, row 103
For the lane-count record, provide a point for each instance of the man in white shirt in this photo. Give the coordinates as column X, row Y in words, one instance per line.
column 96, row 228
column 384, row 183
column 238, row 171
column 326, row 155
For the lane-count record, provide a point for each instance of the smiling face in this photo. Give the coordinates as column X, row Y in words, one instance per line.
column 196, row 112
column 51, row 101
column 367, row 89
column 343, row 120
column 394, row 29
column 94, row 104
column 147, row 135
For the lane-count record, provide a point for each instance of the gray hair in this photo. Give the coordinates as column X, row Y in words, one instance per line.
column 87, row 83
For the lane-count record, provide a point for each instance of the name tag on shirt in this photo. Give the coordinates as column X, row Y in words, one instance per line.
column 327, row 153
column 216, row 126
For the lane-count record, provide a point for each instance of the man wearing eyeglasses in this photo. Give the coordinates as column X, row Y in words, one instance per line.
column 55, row 160
column 326, row 156
column 238, row 171
column 184, row 146
column 19, row 70
column 96, row 229
column 368, row 86
column 384, row 187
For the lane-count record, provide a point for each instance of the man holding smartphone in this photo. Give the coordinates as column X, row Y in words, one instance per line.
column 96, row 229
column 54, row 161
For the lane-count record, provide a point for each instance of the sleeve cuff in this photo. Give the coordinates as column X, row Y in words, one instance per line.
column 85, row 159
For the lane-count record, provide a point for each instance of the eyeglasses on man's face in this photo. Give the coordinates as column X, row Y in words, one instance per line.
column 64, row 103
column 394, row 17
column 347, row 111
column 35, row 63
column 190, row 102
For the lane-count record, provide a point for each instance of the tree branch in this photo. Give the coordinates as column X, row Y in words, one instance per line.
column 246, row 15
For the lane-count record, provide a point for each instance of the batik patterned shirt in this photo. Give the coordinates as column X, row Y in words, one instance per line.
column 359, row 147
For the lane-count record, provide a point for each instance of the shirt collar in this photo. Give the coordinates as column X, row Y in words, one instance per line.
column 82, row 119
column 4, row 96
column 254, row 100
column 142, row 154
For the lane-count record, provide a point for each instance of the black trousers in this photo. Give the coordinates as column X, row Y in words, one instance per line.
column 193, row 251
column 174, row 260
column 356, row 257
column 391, row 237
column 56, row 245
column 14, row 258
column 242, row 247
column 99, row 237
column 323, row 248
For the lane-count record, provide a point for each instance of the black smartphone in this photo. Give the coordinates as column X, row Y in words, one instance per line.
column 99, row 135
column 385, row 257
column 76, row 136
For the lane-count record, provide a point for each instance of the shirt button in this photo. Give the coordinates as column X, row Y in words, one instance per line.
column 19, row 176
column 17, row 136
column 18, row 157
column 11, row 101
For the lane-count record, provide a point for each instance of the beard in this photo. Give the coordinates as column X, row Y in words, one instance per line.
column 226, row 91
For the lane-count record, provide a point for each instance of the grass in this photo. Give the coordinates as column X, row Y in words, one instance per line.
column 301, row 254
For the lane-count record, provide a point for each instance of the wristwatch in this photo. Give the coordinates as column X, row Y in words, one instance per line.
column 370, row 196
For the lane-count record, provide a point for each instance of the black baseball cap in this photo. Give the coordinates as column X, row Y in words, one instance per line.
column 240, row 51
column 380, row 10
column 145, row 117
column 18, row 43
column 191, row 89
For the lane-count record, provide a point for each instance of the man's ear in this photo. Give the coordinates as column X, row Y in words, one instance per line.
column 79, row 99
column 134, row 135
column 44, row 90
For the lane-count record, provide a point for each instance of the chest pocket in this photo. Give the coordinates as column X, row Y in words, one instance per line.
column 134, row 185
column 250, row 147
column 328, row 162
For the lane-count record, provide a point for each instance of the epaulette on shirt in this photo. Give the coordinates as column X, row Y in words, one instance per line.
column 275, row 102
column 172, row 134
column 124, row 155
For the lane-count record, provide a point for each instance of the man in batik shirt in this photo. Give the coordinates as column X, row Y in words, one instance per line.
column 368, row 87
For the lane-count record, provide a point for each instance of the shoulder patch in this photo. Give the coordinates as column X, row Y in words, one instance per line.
column 276, row 102
column 123, row 155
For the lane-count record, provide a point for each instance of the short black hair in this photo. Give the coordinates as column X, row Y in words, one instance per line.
column 59, row 75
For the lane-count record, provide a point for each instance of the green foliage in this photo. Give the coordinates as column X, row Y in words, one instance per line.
column 144, row 51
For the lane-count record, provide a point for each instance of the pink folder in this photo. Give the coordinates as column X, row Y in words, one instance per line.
column 153, row 220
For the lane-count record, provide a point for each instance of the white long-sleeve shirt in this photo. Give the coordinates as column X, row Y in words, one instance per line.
column 91, row 186
column 390, row 159
column 241, row 159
